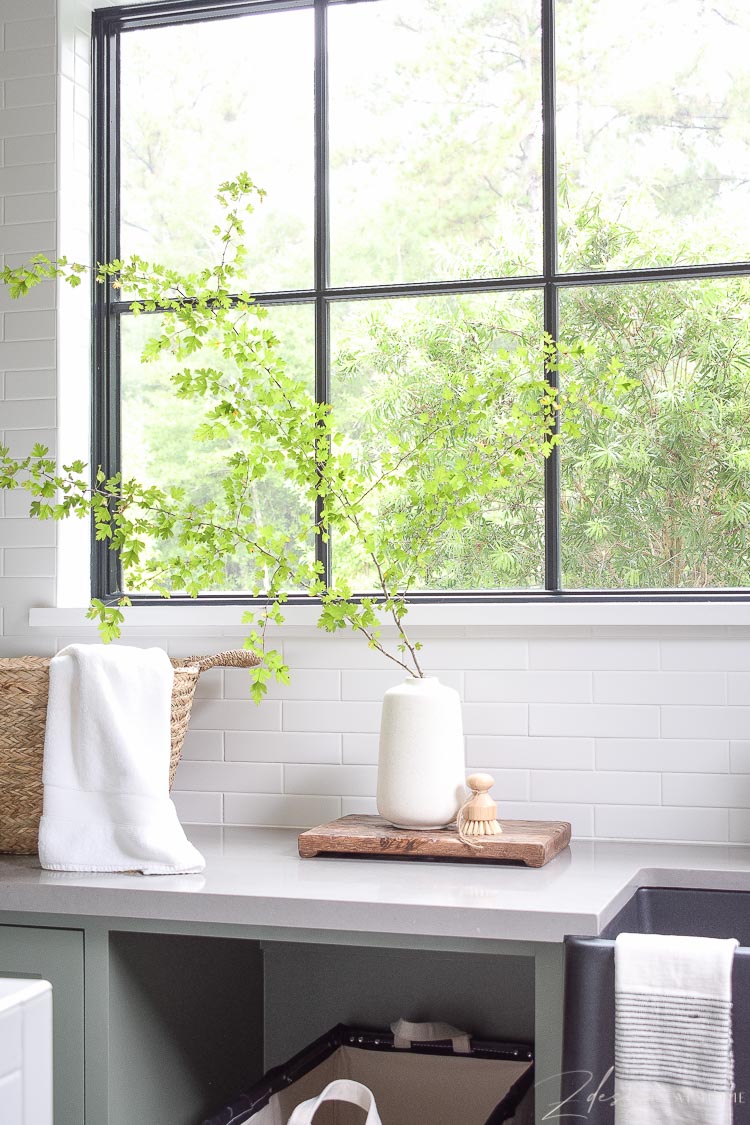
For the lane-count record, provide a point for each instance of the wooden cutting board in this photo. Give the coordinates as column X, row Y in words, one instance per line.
column 533, row 842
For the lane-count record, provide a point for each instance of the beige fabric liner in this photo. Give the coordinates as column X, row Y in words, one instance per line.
column 409, row 1089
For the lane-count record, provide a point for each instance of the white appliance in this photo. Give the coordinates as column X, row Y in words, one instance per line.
column 25, row 1052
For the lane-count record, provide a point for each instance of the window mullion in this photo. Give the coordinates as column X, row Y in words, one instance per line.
column 552, row 569
column 322, row 241
column 106, row 572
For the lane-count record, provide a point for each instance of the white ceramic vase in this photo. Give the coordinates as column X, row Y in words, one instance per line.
column 421, row 763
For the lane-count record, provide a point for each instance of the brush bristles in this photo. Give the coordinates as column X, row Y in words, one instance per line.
column 481, row 828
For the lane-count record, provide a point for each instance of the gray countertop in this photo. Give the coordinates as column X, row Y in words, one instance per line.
column 254, row 877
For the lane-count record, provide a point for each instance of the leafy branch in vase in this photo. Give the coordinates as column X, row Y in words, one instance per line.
column 436, row 448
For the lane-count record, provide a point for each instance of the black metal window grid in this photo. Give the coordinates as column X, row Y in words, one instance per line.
column 108, row 25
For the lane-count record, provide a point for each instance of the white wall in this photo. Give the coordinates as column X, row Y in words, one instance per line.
column 631, row 721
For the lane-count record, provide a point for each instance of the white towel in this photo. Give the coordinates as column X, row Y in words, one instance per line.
column 106, row 765
column 673, row 1030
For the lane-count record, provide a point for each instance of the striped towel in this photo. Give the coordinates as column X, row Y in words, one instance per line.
column 673, row 1030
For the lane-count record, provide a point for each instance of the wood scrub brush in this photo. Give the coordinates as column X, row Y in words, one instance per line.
column 477, row 816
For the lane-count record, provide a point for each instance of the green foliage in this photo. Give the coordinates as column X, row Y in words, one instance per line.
column 109, row 617
column 435, row 164
column 439, row 452
column 662, row 497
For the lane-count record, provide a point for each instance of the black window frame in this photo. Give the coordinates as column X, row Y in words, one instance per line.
column 107, row 26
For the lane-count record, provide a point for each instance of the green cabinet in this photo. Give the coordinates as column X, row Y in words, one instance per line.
column 55, row 955
column 173, row 1017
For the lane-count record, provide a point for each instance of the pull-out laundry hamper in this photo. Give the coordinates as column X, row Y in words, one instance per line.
column 426, row 1083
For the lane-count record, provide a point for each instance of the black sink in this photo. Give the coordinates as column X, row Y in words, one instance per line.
column 664, row 910
column 589, row 1036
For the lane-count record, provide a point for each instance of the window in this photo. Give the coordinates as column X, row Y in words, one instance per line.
column 445, row 180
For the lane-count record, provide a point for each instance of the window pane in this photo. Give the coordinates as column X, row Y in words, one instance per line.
column 435, row 142
column 200, row 103
column 661, row 496
column 158, row 431
column 391, row 362
column 653, row 142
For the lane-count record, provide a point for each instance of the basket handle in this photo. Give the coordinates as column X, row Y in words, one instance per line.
column 340, row 1090
column 406, row 1033
column 235, row 658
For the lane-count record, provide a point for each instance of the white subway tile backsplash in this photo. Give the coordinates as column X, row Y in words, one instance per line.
column 25, row 237
column 21, row 442
column 495, row 718
column 22, row 354
column 362, row 806
column 83, row 43
column 39, row 90
column 210, row 684
column 82, row 102
column 24, row 63
column 360, row 749
column 344, row 781
column 227, row 777
column 41, row 297
column 139, row 640
column 199, row 808
column 22, row 34
column 305, row 683
column 28, row 414
column 529, row 686
column 27, row 533
column 37, row 208
column 738, row 686
column 286, row 810
column 510, row 785
column 739, row 756
column 739, row 826
column 225, row 714
column 32, row 562
column 593, row 720
column 473, row 653
column 203, row 746
column 600, row 654
column 529, row 753
column 28, row 10
column 685, row 755
column 16, row 505
column 659, row 687
column 705, row 722
column 713, row 790
column 282, row 746
column 458, row 654
column 28, row 645
column 331, row 652
column 630, row 822
column 710, row 655
column 592, row 787
column 581, row 817
column 335, row 716
column 371, row 684
column 82, row 73
column 36, row 150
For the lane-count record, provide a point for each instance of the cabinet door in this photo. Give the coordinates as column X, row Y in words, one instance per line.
column 56, row 956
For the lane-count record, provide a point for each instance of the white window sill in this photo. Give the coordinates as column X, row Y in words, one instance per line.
column 469, row 617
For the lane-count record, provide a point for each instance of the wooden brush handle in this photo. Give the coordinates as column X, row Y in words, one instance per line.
column 480, row 782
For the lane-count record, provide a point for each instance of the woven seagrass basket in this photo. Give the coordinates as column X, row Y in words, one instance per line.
column 24, row 684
